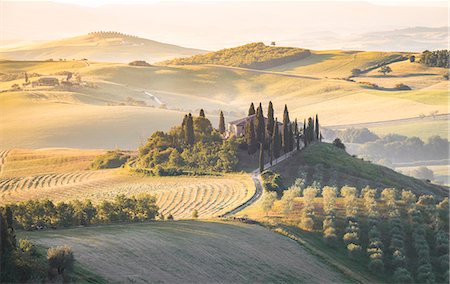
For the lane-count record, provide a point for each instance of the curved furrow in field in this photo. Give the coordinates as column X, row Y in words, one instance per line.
column 188, row 206
column 191, row 195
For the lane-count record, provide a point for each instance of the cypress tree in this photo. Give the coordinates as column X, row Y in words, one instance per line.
column 291, row 138
column 317, row 128
column 296, row 134
column 251, row 110
column 276, row 140
column 250, row 137
column 183, row 128
column 221, row 123
column 189, row 130
column 202, row 113
column 285, row 134
column 310, row 130
column 259, row 125
column 271, row 149
column 261, row 157
column 270, row 119
column 305, row 140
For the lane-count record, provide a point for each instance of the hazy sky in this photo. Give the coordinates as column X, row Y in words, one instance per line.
column 215, row 24
column 96, row 3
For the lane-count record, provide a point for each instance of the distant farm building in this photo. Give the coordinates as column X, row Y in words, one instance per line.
column 46, row 81
column 237, row 127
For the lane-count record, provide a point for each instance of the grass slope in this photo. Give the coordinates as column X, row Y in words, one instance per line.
column 254, row 55
column 328, row 165
column 100, row 46
column 202, row 252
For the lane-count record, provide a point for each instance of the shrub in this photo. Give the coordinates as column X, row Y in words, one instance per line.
column 401, row 275
column 307, row 223
column 61, row 260
column 402, row 87
column 169, row 217
column 354, row 250
column 338, row 143
column 139, row 63
column 195, row 214
column 376, row 265
column 112, row 159
column 28, row 247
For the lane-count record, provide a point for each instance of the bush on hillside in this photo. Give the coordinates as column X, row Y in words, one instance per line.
column 338, row 144
column 61, row 261
column 140, row 63
column 272, row 182
column 109, row 160
column 402, row 87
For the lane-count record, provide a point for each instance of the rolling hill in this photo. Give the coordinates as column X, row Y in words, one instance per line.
column 253, row 55
column 99, row 46
column 328, row 165
column 188, row 252
column 121, row 105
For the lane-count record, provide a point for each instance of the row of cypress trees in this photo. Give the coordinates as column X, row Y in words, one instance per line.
column 285, row 140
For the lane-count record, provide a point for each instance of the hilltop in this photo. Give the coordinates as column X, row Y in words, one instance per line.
column 99, row 46
column 253, row 55
column 329, row 165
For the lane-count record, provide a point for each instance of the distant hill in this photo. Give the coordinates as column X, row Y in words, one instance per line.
column 99, row 46
column 254, row 55
column 328, row 165
column 409, row 39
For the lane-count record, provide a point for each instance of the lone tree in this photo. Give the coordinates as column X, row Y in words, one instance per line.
column 61, row 260
column 356, row 72
column 221, row 123
column 202, row 113
column 385, row 69
column 270, row 119
column 195, row 214
column 26, row 77
column 259, row 125
column 250, row 137
column 286, row 123
column 338, row 143
column 251, row 110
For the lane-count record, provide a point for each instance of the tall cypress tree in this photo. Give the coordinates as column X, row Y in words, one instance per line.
column 251, row 110
column 183, row 128
column 189, row 136
column 296, row 134
column 271, row 148
column 276, row 141
column 310, row 130
column 261, row 158
column 250, row 137
column 317, row 128
column 286, row 123
column 291, row 137
column 305, row 139
column 202, row 113
column 270, row 119
column 221, row 123
column 259, row 125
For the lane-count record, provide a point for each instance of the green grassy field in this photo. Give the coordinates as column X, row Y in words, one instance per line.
column 331, row 166
column 211, row 252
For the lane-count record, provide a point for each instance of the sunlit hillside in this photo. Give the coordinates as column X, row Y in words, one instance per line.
column 120, row 105
column 99, row 46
